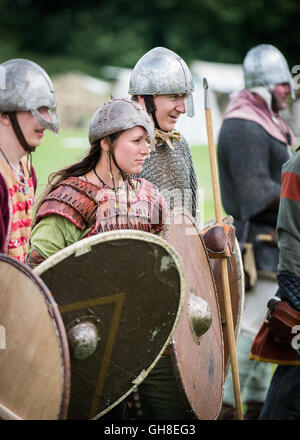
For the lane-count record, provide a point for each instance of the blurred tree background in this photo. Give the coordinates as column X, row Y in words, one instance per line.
column 87, row 35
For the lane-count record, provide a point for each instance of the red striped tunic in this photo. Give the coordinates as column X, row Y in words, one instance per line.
column 20, row 210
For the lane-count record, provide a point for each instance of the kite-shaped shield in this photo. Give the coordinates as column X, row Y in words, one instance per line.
column 237, row 292
column 34, row 353
column 120, row 295
column 197, row 343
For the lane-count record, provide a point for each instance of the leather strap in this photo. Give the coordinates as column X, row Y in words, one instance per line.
column 219, row 240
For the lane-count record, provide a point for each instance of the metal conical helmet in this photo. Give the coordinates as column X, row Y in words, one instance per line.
column 119, row 115
column 162, row 72
column 264, row 65
column 25, row 86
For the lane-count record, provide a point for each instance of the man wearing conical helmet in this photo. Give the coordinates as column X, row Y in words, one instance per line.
column 162, row 82
column 254, row 143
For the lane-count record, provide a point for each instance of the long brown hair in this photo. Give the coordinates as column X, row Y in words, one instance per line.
column 88, row 163
column 75, row 170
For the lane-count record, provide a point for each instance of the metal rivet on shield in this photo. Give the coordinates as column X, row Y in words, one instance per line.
column 200, row 316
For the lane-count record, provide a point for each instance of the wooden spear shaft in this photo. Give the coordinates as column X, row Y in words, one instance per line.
column 224, row 269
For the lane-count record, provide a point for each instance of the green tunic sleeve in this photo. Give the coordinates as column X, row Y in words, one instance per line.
column 53, row 233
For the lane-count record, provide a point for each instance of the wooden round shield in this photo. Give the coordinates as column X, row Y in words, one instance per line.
column 198, row 361
column 126, row 288
column 34, row 355
column 237, row 293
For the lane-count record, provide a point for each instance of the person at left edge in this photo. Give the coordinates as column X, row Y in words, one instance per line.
column 26, row 100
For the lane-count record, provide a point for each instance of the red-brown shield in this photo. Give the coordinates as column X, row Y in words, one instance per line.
column 198, row 361
column 130, row 285
column 237, row 293
column 34, row 354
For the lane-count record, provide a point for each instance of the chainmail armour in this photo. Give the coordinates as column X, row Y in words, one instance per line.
column 172, row 171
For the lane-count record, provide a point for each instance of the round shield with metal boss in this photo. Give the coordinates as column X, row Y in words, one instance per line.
column 197, row 343
column 34, row 354
column 120, row 295
column 237, row 293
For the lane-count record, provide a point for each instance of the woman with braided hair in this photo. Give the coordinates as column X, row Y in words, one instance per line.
column 98, row 193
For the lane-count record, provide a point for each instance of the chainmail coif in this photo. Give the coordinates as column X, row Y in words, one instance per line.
column 172, row 171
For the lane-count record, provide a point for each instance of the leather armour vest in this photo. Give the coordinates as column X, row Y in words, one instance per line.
column 86, row 204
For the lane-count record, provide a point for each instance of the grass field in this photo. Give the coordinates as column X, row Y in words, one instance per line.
column 56, row 152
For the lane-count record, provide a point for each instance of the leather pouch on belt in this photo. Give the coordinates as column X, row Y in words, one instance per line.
column 273, row 341
column 281, row 320
column 219, row 240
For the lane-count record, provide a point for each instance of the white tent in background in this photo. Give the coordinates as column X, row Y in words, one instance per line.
column 222, row 78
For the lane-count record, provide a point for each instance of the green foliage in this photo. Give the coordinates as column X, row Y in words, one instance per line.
column 94, row 33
